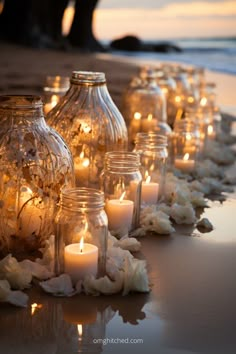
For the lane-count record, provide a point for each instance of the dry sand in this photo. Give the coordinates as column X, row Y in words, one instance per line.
column 23, row 71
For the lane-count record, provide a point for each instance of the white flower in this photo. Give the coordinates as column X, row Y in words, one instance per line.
column 207, row 168
column 59, row 286
column 197, row 199
column 17, row 298
column 129, row 243
column 220, row 154
column 135, row 276
column 183, row 214
column 156, row 221
column 104, row 285
column 17, row 276
column 37, row 270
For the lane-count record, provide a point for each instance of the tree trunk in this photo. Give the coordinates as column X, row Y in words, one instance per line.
column 81, row 33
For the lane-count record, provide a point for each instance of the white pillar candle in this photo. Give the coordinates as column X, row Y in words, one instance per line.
column 119, row 213
column 185, row 164
column 149, row 193
column 80, row 262
column 148, row 124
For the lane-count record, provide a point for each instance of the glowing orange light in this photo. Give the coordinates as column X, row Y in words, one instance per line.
column 137, row 115
column 186, row 157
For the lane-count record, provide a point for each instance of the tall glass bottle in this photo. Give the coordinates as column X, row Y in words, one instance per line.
column 35, row 165
column 90, row 123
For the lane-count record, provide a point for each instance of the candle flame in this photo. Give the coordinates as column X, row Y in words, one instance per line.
column 81, row 244
column 34, row 307
column 122, row 196
column 149, row 117
column 54, row 100
column 177, row 99
column 81, row 155
column 188, row 136
column 80, row 329
column 152, row 167
column 190, row 99
column 186, row 156
column 137, row 115
column 210, row 130
column 148, row 179
column 85, row 163
column 203, row 101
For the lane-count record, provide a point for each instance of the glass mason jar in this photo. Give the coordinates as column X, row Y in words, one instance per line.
column 121, row 182
column 145, row 110
column 81, row 234
column 186, row 145
column 55, row 88
column 91, row 125
column 152, row 149
column 35, row 165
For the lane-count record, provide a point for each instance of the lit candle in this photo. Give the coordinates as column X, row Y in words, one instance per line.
column 185, row 164
column 30, row 213
column 119, row 213
column 149, row 193
column 148, row 124
column 80, row 259
column 135, row 124
column 81, row 165
column 210, row 132
column 50, row 105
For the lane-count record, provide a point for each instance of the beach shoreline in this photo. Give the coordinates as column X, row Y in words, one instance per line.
column 23, row 70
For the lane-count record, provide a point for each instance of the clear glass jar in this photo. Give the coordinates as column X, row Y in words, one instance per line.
column 81, row 234
column 186, row 145
column 121, row 182
column 153, row 152
column 90, row 123
column 55, row 88
column 145, row 110
column 35, row 165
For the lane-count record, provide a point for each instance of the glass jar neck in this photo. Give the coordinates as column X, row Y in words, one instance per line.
column 152, row 140
column 21, row 108
column 122, row 161
column 88, row 78
column 82, row 200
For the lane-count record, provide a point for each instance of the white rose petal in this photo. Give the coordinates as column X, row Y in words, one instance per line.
column 59, row 286
column 18, row 277
column 183, row 214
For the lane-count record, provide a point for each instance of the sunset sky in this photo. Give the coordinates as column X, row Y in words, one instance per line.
column 160, row 19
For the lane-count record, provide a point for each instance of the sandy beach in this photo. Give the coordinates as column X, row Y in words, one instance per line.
column 23, row 71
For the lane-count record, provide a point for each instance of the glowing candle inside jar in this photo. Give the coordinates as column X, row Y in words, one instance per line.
column 148, row 124
column 30, row 213
column 81, row 165
column 149, row 193
column 210, row 132
column 185, row 164
column 50, row 105
column 80, row 259
column 119, row 213
column 135, row 124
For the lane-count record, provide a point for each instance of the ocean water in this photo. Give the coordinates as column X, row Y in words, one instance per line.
column 216, row 54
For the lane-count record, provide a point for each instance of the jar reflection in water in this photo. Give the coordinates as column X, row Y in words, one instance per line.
column 35, row 165
column 81, row 215
column 153, row 152
column 90, row 123
column 121, row 182
column 55, row 88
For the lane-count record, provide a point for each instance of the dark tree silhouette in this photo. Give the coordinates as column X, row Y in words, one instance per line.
column 38, row 23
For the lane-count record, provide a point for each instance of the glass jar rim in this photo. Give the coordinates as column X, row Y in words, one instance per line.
column 82, row 199
column 88, row 77
column 20, row 101
column 152, row 138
